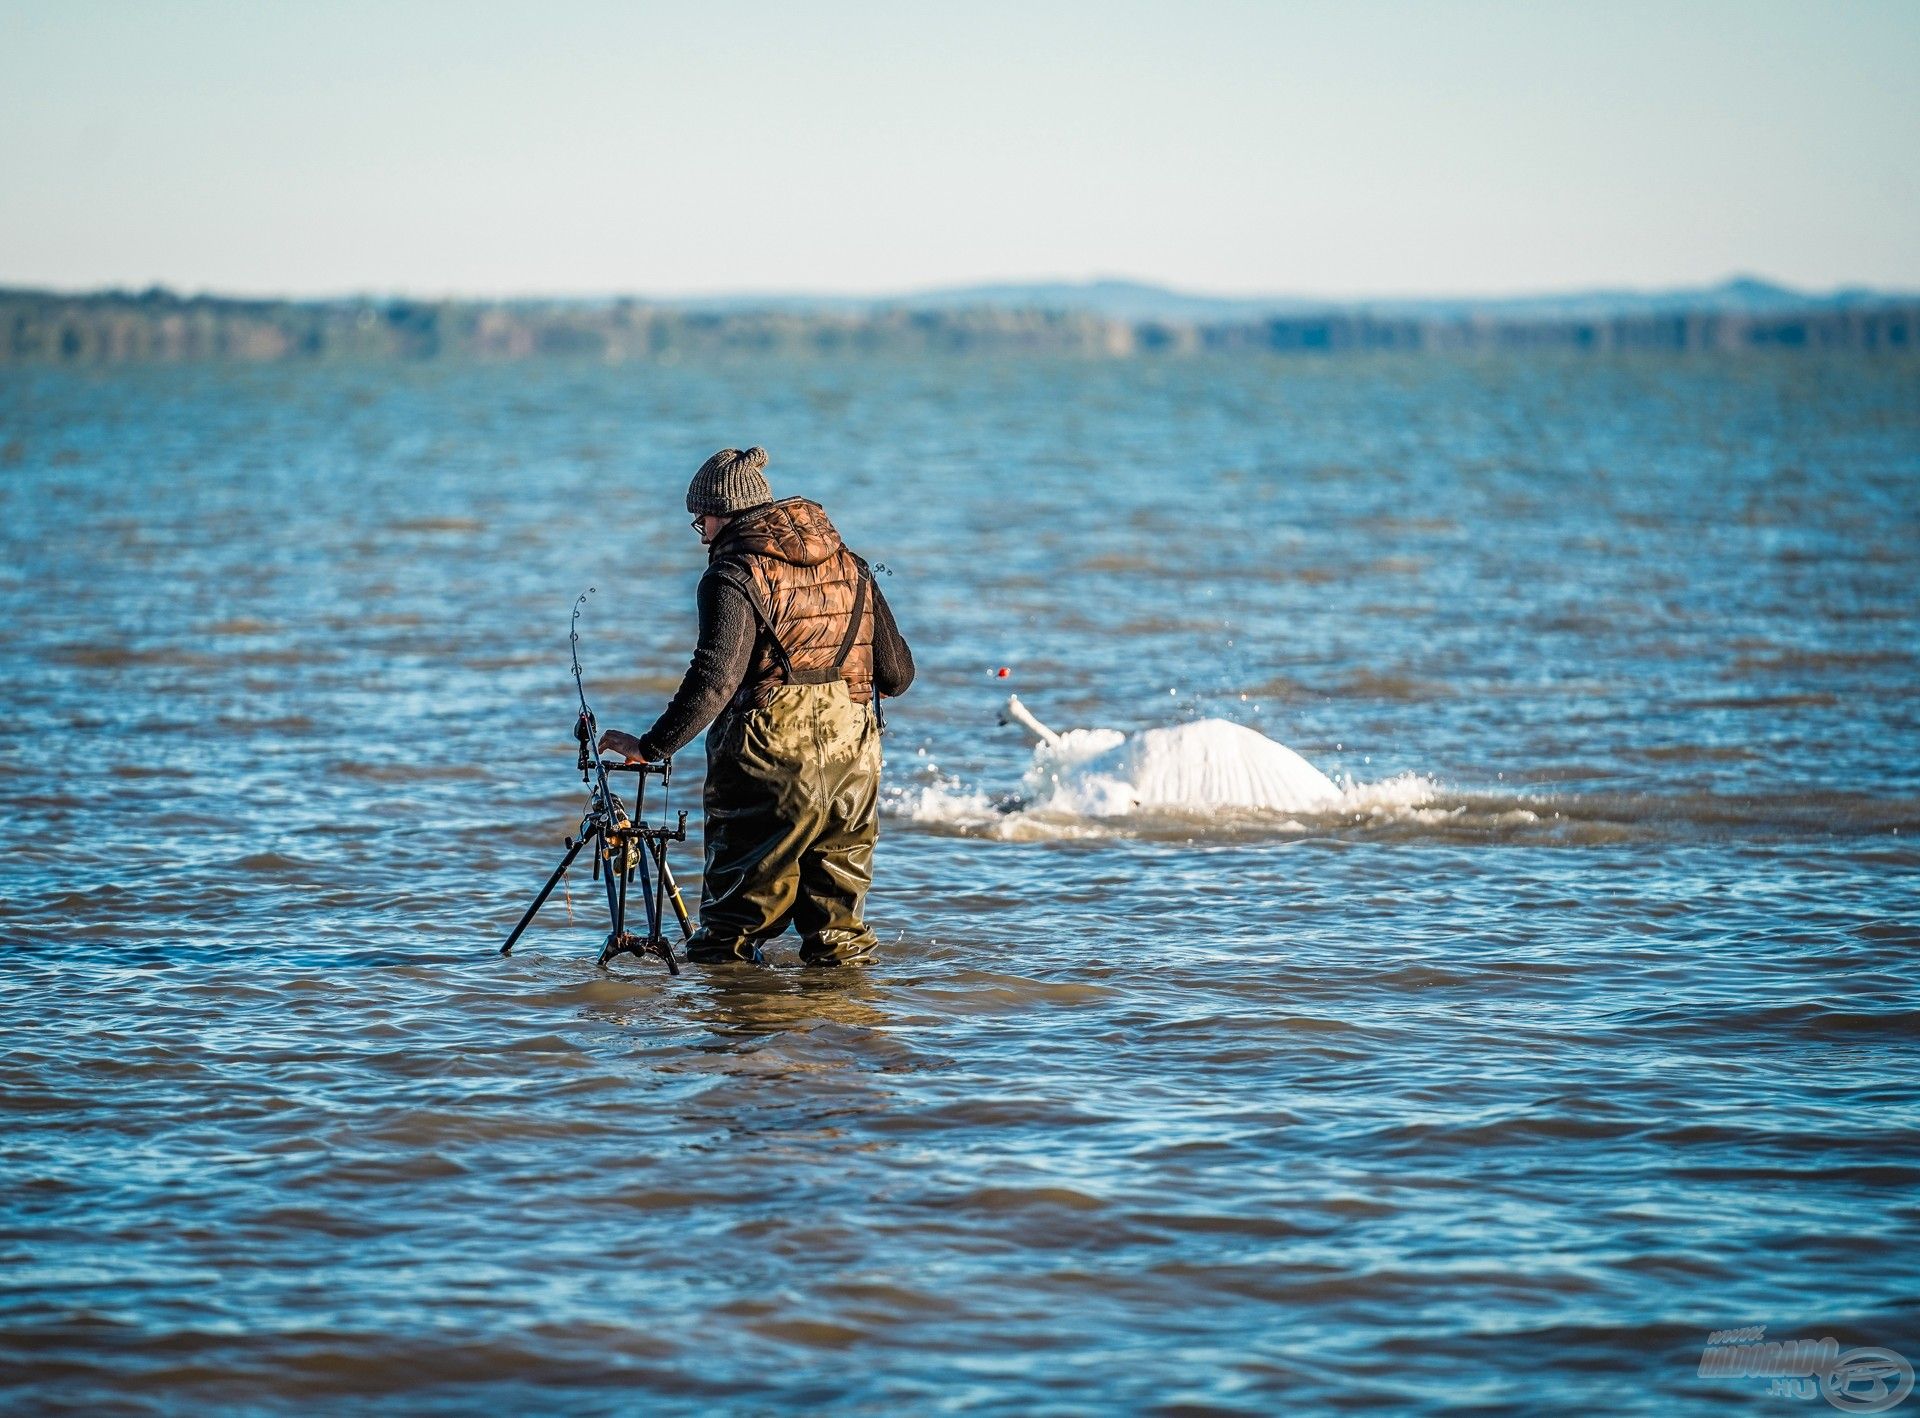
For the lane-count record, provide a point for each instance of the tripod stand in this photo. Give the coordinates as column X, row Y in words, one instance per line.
column 623, row 847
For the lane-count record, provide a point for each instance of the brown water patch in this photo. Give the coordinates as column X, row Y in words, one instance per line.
column 409, row 772
column 504, row 662
column 1398, row 525
column 292, row 725
column 1015, row 1199
column 1692, row 753
column 1284, row 690
column 438, row 524
column 1373, row 684
column 303, row 655
column 1763, row 701
column 1577, row 623
column 1562, row 773
column 634, row 684
column 813, row 1334
column 1790, row 661
column 114, row 657
column 1169, row 625
column 273, row 863
column 1305, row 575
column 1360, row 684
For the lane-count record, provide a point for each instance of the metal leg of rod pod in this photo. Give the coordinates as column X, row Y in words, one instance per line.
column 573, row 850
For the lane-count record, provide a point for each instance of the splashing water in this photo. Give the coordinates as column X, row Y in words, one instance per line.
column 1198, row 777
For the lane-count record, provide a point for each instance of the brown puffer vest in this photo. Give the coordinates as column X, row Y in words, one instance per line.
column 806, row 588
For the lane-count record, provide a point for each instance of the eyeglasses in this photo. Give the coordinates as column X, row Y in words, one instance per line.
column 699, row 523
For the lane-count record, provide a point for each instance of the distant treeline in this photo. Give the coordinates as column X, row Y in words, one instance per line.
column 157, row 325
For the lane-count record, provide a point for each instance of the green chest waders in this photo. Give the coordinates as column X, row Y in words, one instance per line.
column 791, row 803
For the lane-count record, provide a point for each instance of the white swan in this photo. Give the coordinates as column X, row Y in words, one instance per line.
column 1211, row 763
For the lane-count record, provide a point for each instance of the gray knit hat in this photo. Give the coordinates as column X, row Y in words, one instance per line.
column 729, row 482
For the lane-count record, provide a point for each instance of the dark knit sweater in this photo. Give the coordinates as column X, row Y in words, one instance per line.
column 728, row 629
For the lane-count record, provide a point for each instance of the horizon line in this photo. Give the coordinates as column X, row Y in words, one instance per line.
column 743, row 294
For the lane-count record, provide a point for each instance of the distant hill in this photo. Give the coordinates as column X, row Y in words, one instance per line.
column 1139, row 301
column 1115, row 300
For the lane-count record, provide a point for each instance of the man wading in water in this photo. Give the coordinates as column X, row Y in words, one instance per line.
column 796, row 646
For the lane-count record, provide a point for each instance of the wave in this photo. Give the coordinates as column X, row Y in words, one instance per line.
column 948, row 806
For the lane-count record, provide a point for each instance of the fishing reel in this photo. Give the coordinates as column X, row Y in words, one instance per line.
column 585, row 731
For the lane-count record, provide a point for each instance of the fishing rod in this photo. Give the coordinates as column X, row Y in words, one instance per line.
column 585, row 728
column 624, row 846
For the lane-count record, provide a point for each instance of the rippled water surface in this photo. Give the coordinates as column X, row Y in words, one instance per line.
column 1583, row 1025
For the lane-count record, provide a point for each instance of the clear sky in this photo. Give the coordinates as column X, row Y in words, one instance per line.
column 1356, row 148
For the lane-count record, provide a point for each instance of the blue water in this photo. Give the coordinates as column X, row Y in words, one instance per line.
column 1582, row 1026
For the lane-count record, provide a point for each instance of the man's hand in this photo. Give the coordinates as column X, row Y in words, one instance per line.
column 624, row 744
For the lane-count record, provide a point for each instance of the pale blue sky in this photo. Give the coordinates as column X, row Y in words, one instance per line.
column 1357, row 148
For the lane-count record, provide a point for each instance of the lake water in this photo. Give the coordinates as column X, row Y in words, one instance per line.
column 1584, row 1025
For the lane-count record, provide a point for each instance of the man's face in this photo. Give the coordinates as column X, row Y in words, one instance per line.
column 709, row 527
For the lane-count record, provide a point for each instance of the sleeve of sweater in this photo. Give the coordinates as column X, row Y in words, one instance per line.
column 720, row 660
column 892, row 659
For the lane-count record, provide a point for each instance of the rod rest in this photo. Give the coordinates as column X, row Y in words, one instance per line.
column 664, row 767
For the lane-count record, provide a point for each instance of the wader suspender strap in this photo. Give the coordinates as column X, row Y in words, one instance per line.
column 853, row 632
column 853, row 621
column 787, row 671
column 752, row 595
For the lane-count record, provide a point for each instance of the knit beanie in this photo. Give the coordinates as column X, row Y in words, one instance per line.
column 729, row 482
